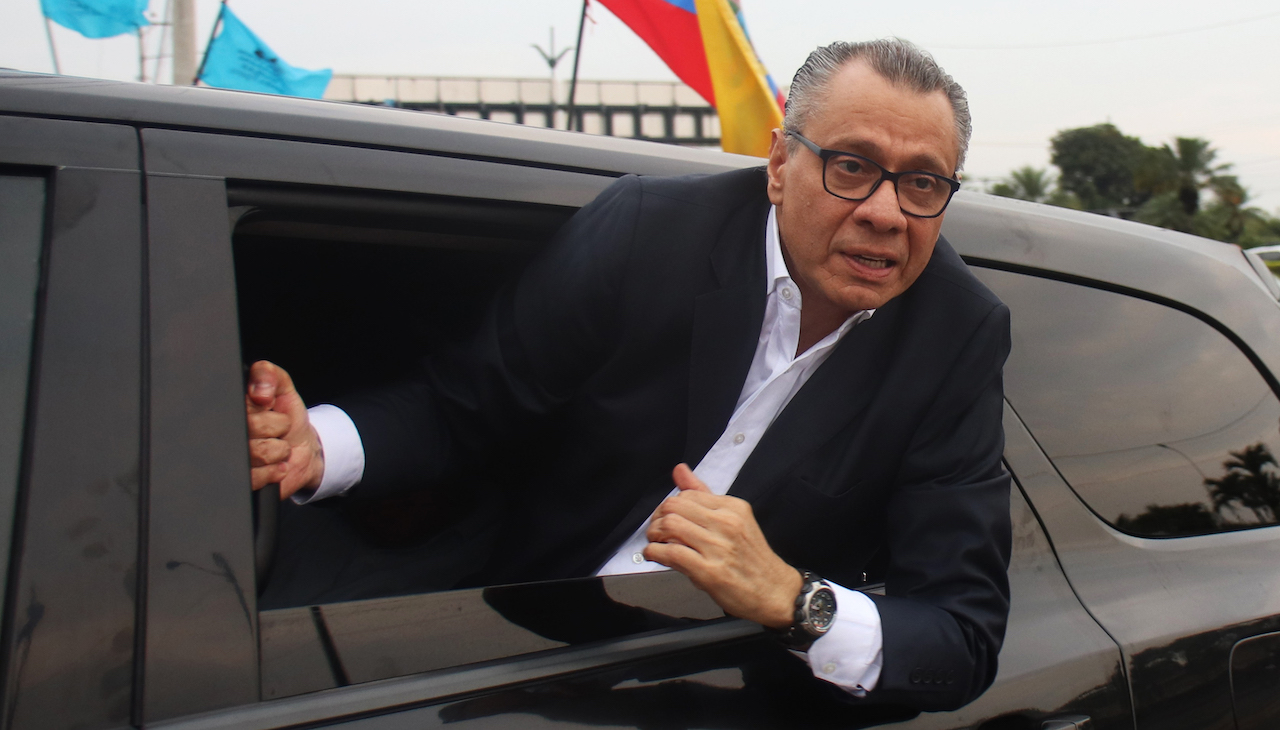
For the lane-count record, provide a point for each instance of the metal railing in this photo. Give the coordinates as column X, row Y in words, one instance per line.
column 653, row 110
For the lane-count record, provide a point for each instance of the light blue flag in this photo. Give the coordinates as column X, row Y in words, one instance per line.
column 238, row 59
column 97, row 18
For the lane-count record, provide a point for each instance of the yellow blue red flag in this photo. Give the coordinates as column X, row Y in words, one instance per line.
column 705, row 43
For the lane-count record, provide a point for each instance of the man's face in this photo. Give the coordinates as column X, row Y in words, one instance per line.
column 859, row 255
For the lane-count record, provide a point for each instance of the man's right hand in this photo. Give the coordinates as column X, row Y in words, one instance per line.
column 283, row 447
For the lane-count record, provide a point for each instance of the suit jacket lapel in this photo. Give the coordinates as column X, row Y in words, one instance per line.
column 834, row 395
column 726, row 328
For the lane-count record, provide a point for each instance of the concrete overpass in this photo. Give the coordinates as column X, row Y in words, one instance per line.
column 653, row 110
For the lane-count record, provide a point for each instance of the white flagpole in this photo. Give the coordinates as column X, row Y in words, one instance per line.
column 186, row 48
column 165, row 26
column 212, row 34
column 53, row 50
column 142, row 58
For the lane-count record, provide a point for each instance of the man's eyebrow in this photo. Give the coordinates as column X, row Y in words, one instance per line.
column 928, row 163
column 920, row 161
column 859, row 147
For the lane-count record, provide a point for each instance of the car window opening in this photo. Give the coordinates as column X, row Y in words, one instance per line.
column 361, row 583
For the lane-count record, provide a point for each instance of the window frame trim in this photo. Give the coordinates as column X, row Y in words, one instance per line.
column 1244, row 347
column 1142, row 541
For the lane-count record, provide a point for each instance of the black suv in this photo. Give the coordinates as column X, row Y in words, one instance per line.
column 139, row 227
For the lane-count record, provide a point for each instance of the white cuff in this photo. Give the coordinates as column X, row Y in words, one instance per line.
column 851, row 653
column 343, row 453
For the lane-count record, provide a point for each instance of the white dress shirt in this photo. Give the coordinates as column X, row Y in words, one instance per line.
column 850, row 654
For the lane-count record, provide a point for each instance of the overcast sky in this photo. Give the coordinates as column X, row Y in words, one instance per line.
column 1155, row 69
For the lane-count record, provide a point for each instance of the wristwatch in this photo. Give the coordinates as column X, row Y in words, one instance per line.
column 815, row 613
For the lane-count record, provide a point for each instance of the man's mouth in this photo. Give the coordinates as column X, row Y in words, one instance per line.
column 872, row 262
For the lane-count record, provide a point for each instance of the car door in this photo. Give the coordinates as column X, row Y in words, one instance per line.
column 330, row 199
column 394, row 252
column 1145, row 433
column 71, row 260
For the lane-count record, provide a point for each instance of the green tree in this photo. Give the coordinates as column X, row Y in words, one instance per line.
column 1025, row 183
column 1260, row 230
column 1175, row 175
column 1227, row 218
column 1224, row 219
column 1196, row 172
column 1164, row 210
column 1035, row 184
column 1098, row 165
column 1105, row 171
column 1064, row 199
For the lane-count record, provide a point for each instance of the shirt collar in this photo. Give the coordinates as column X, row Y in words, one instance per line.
column 775, row 265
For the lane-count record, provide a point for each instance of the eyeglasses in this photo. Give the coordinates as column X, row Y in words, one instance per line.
column 854, row 177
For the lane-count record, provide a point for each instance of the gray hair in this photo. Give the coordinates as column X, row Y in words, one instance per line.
column 899, row 62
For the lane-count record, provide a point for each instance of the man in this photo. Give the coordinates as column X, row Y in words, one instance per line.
column 800, row 334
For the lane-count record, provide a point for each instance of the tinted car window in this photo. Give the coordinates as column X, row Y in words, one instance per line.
column 363, row 589
column 1157, row 420
column 384, row 280
column 21, row 214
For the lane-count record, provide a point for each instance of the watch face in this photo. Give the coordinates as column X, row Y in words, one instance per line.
column 822, row 609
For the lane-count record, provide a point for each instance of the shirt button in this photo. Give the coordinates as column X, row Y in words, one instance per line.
column 786, row 292
column 739, row 438
column 637, row 558
column 829, row 668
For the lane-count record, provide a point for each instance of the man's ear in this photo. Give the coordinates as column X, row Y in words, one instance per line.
column 777, row 163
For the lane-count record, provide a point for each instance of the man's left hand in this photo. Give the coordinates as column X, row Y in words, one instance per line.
column 716, row 541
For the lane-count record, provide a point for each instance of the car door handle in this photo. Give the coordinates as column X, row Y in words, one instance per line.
column 1068, row 722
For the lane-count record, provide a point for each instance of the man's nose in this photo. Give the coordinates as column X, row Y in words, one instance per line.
column 881, row 210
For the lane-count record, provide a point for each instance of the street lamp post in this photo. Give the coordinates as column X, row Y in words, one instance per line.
column 552, row 58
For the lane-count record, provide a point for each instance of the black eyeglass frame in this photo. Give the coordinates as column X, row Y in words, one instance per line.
column 885, row 174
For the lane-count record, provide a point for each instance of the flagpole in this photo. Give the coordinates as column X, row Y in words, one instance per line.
column 53, row 50
column 164, row 38
column 577, row 52
column 212, row 34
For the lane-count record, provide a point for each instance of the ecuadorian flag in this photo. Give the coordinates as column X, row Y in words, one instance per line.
column 705, row 43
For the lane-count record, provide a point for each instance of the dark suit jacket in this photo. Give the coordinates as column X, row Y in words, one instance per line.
column 628, row 340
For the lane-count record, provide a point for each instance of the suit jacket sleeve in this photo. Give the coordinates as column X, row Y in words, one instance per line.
column 540, row 339
column 946, row 596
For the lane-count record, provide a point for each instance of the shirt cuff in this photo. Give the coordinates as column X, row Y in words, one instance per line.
column 850, row 655
column 343, row 453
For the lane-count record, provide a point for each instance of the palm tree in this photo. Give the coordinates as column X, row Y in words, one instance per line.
column 1025, row 183
column 1226, row 217
column 1032, row 182
column 1175, row 175
column 1180, row 172
column 1248, row 483
column 1196, row 170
